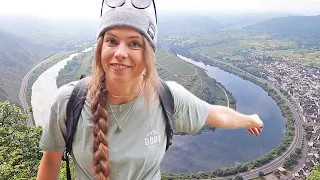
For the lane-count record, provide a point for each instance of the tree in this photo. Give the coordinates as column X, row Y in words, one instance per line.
column 238, row 178
column 261, row 174
column 218, row 172
column 242, row 168
column 315, row 175
column 19, row 151
column 20, row 154
column 30, row 109
column 309, row 136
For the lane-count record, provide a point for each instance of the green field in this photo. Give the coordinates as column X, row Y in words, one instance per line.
column 86, row 63
column 171, row 67
column 304, row 55
column 227, row 45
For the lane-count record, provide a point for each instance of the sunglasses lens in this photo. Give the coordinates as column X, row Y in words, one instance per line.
column 114, row 3
column 141, row 3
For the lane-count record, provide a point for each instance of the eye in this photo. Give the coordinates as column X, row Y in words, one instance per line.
column 135, row 44
column 111, row 42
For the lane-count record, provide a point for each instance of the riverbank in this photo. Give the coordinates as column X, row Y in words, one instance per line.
column 289, row 135
column 43, row 67
column 45, row 87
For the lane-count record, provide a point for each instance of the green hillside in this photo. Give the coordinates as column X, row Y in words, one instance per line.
column 304, row 30
column 17, row 57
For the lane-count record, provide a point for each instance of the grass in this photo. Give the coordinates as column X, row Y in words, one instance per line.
column 235, row 58
column 171, row 67
column 226, row 44
column 253, row 70
column 86, row 63
column 303, row 55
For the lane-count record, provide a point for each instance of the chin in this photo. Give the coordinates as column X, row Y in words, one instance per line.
column 118, row 80
column 115, row 78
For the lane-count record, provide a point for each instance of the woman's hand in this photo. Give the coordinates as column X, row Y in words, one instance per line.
column 227, row 118
column 255, row 125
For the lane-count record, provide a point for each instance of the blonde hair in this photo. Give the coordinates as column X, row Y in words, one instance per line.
column 98, row 95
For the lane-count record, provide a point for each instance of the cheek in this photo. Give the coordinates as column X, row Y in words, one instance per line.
column 140, row 59
column 141, row 64
column 105, row 57
column 103, row 61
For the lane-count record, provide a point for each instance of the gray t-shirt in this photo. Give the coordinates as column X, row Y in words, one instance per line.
column 135, row 152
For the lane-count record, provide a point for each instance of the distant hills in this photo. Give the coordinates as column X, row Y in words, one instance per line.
column 238, row 21
column 181, row 24
column 303, row 29
column 55, row 34
column 27, row 40
column 33, row 29
column 17, row 56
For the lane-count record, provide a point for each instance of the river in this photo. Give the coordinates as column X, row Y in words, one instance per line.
column 223, row 148
column 209, row 150
column 44, row 88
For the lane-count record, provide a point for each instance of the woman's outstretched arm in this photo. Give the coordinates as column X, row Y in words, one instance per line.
column 224, row 117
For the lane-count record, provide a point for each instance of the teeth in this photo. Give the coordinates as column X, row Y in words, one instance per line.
column 120, row 66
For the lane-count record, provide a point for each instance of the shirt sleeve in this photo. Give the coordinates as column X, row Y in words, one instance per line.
column 54, row 132
column 190, row 112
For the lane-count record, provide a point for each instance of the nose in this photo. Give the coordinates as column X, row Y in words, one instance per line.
column 121, row 52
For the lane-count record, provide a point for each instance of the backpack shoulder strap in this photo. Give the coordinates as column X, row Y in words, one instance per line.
column 167, row 104
column 74, row 107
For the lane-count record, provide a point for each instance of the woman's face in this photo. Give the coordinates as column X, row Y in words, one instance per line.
column 122, row 55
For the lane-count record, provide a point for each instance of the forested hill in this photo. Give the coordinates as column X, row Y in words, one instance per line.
column 17, row 56
column 27, row 40
column 303, row 29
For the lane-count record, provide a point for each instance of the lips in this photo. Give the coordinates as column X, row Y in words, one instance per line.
column 120, row 66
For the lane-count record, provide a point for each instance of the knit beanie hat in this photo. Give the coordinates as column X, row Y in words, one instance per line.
column 142, row 20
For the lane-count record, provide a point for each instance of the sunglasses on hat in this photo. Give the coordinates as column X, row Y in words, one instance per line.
column 139, row 4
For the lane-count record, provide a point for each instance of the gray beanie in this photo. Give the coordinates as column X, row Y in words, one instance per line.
column 139, row 19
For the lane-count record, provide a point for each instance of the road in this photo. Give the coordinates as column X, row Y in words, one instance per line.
column 23, row 90
column 296, row 143
column 225, row 93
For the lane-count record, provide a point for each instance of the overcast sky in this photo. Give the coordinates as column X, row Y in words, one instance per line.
column 91, row 8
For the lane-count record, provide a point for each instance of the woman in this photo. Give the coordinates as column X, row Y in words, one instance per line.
column 123, row 108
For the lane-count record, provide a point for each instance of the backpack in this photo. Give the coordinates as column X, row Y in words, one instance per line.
column 76, row 103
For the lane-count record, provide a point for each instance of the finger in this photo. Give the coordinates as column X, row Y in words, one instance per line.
column 256, row 132
column 258, row 120
column 260, row 130
column 250, row 131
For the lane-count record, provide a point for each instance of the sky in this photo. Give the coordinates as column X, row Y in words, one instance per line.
column 91, row 8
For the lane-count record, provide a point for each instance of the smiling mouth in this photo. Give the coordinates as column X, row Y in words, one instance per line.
column 119, row 66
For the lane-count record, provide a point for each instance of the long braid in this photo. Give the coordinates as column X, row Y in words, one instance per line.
column 100, row 142
column 98, row 94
